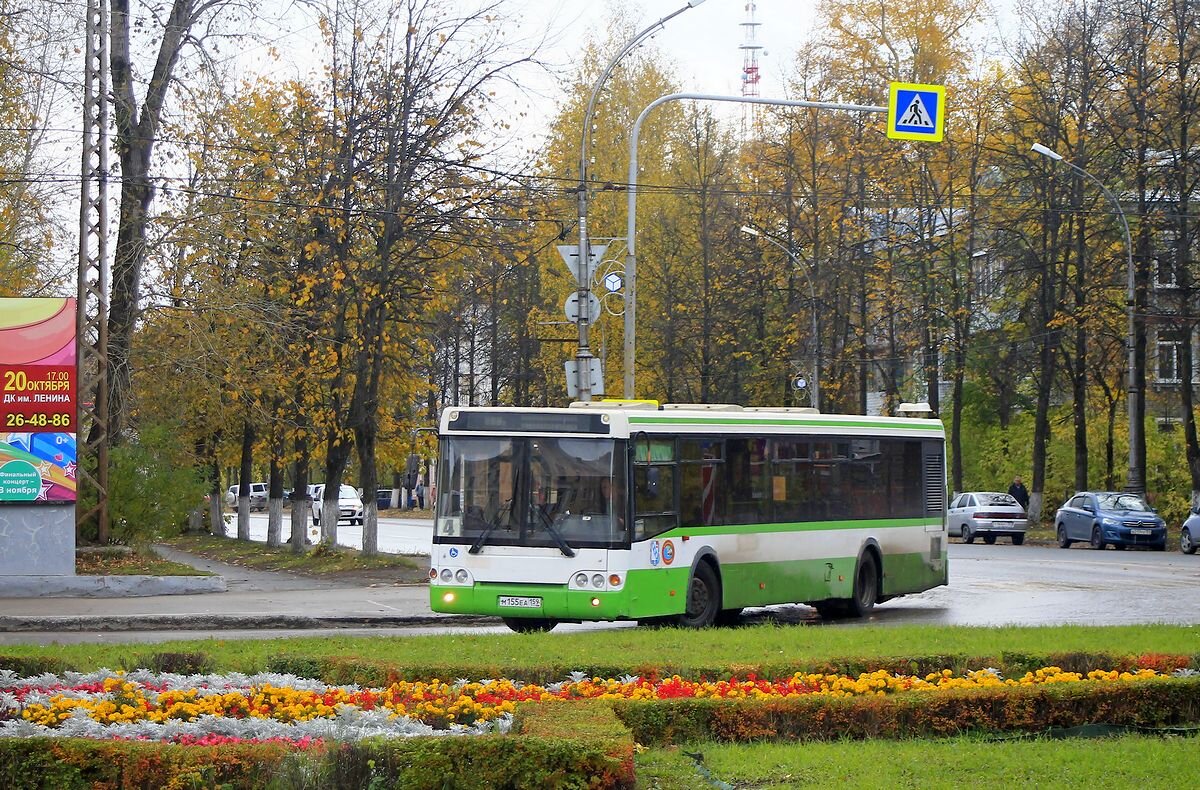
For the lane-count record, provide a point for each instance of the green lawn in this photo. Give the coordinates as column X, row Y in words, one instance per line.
column 1130, row 761
column 767, row 647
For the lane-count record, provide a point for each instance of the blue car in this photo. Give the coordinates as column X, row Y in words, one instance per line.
column 1101, row 518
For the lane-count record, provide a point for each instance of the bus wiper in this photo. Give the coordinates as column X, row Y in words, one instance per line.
column 478, row 544
column 563, row 546
column 492, row 526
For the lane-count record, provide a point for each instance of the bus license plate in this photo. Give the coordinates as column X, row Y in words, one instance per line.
column 520, row 602
column 1142, row 531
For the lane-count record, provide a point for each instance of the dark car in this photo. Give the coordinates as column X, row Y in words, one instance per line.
column 1109, row 517
column 383, row 498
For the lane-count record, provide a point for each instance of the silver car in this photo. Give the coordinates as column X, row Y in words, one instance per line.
column 350, row 506
column 1189, row 533
column 988, row 515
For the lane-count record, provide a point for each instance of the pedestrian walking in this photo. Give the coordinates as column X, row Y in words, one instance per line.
column 1017, row 491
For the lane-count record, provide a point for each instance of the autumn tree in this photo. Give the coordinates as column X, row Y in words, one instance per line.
column 137, row 123
column 27, row 188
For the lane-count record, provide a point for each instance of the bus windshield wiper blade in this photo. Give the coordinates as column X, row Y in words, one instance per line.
column 563, row 546
column 478, row 544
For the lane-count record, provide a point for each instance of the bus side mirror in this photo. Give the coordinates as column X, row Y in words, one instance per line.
column 652, row 475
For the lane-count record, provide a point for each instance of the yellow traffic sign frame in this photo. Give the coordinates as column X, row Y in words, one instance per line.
column 899, row 90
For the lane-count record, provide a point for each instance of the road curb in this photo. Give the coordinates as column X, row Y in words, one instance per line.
column 108, row 586
column 229, row 622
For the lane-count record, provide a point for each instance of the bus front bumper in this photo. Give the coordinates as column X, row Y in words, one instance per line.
column 553, row 601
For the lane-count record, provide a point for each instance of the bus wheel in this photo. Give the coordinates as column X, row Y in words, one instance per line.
column 703, row 600
column 529, row 625
column 866, row 587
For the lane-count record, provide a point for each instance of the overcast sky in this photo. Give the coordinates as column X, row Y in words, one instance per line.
column 703, row 42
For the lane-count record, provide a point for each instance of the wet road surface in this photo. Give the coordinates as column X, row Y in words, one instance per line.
column 989, row 586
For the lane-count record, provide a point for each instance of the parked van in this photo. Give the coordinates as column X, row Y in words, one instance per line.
column 258, row 496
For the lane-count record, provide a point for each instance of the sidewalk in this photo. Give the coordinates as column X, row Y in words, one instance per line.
column 252, row 600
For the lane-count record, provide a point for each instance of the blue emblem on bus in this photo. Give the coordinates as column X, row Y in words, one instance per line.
column 453, row 552
column 654, row 553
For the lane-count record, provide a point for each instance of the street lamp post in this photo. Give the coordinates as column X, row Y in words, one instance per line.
column 1136, row 482
column 812, row 291
column 583, row 356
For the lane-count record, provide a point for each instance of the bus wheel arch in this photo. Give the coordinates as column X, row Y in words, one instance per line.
column 702, row 605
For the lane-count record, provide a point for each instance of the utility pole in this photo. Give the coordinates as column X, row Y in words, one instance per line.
column 583, row 356
column 91, row 324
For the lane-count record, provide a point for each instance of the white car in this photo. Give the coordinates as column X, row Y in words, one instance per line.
column 988, row 515
column 258, row 496
column 350, row 506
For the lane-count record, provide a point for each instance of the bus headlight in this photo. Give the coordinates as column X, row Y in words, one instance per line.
column 581, row 580
column 448, row 597
column 447, row 575
column 461, row 576
column 598, row 580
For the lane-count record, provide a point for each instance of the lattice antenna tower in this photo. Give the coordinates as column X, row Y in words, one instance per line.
column 91, row 324
column 750, row 72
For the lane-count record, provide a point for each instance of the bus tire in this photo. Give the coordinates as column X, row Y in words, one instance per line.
column 866, row 586
column 530, row 625
column 703, row 598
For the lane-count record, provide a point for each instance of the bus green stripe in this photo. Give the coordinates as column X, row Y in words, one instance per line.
column 799, row 526
column 800, row 421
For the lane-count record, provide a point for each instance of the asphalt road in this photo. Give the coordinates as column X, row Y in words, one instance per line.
column 989, row 585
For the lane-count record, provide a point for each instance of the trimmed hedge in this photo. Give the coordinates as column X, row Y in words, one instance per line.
column 587, row 724
column 1148, row 703
column 467, row 763
column 568, row 745
column 70, row 763
column 346, row 670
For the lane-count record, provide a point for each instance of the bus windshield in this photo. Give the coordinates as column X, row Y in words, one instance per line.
column 555, row 492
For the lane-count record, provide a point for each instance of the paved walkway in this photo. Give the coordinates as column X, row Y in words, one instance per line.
column 253, row 600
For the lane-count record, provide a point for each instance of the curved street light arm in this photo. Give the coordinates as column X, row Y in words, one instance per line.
column 630, row 343
column 584, row 354
column 1136, row 480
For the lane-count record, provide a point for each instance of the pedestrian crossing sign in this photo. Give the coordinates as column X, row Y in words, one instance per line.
column 916, row 112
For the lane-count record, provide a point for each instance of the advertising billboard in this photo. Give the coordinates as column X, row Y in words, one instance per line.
column 37, row 400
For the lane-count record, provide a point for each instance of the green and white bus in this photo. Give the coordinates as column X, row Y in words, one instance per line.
column 682, row 513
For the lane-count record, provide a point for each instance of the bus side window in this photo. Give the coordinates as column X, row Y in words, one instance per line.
column 654, row 500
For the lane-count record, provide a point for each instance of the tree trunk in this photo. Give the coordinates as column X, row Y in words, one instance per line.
column 368, row 478
column 136, row 132
column 301, row 505
column 247, row 475
column 275, row 497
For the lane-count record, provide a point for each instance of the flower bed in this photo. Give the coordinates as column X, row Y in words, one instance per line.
column 265, row 707
column 270, row 730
